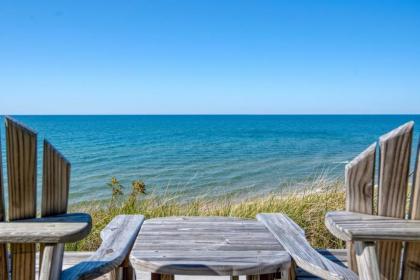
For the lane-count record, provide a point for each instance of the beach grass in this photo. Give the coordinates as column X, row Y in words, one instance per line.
column 307, row 207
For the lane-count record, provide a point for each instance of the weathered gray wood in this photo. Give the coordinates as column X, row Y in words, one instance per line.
column 350, row 226
column 395, row 148
column 338, row 256
column 334, row 255
column 56, row 229
column 411, row 264
column 198, row 219
column 52, row 258
column 55, row 194
column 3, row 248
column 55, row 182
column 207, row 246
column 292, row 237
column 359, row 176
column 25, row 230
column 21, row 145
column 117, row 240
column 359, row 180
column 367, row 262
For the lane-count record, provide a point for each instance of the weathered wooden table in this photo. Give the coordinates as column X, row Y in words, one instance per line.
column 208, row 246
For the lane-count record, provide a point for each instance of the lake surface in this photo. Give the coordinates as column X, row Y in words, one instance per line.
column 206, row 155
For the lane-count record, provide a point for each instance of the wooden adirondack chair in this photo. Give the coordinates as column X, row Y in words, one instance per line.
column 24, row 230
column 374, row 232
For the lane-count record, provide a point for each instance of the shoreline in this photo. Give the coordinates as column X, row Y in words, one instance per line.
column 307, row 208
column 317, row 182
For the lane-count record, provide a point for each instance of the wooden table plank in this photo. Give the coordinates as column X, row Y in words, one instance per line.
column 207, row 246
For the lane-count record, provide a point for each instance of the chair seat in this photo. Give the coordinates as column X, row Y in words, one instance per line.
column 72, row 258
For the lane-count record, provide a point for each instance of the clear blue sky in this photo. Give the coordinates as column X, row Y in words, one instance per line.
column 172, row 57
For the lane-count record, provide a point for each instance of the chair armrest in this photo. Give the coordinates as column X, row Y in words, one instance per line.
column 292, row 238
column 351, row 226
column 55, row 229
column 118, row 238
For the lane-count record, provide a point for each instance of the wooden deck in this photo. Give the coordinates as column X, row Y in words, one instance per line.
column 338, row 256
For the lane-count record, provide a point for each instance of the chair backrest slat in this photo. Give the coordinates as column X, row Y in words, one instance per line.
column 55, row 182
column 3, row 248
column 411, row 262
column 55, row 193
column 21, row 145
column 359, row 181
column 2, row 206
column 394, row 161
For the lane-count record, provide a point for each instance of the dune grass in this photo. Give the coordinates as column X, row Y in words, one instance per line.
column 307, row 208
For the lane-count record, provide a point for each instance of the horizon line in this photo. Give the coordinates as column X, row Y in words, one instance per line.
column 224, row 114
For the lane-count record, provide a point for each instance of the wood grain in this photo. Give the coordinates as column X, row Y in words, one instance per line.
column 207, row 246
column 395, row 148
column 338, row 256
column 293, row 239
column 367, row 260
column 351, row 226
column 3, row 248
column 55, row 194
column 55, row 229
column 359, row 181
column 359, row 176
column 117, row 240
column 55, row 182
column 21, row 145
column 52, row 261
column 411, row 264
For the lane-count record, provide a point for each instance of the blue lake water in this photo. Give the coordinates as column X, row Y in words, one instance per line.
column 211, row 155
